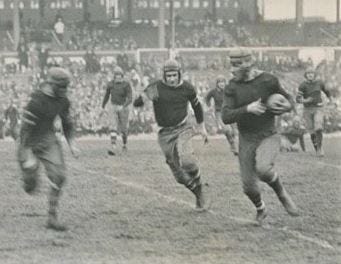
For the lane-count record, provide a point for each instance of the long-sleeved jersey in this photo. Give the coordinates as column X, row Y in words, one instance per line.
column 39, row 116
column 120, row 93
column 314, row 90
column 217, row 95
column 238, row 95
column 170, row 104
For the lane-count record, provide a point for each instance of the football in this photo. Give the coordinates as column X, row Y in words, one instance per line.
column 277, row 100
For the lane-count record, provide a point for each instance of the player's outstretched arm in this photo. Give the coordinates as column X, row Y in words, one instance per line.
column 150, row 93
column 106, row 97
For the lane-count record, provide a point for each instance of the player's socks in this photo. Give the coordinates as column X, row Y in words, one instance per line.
column 203, row 201
column 319, row 139
column 124, row 139
column 314, row 140
column 284, row 197
column 261, row 212
column 52, row 221
column 30, row 184
column 112, row 151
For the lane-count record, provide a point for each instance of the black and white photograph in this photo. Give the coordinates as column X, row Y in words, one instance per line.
column 170, row 131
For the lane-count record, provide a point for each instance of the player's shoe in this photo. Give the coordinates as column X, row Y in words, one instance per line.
column 320, row 152
column 112, row 151
column 261, row 215
column 288, row 203
column 234, row 149
column 235, row 152
column 203, row 199
column 54, row 224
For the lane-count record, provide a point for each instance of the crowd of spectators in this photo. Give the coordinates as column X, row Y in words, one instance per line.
column 104, row 36
column 88, row 84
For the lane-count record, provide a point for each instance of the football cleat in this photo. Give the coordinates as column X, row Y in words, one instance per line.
column 261, row 215
column 52, row 223
column 203, row 199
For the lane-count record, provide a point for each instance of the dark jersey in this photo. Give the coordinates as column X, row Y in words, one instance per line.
column 313, row 89
column 120, row 93
column 238, row 95
column 12, row 114
column 39, row 116
column 217, row 95
column 171, row 103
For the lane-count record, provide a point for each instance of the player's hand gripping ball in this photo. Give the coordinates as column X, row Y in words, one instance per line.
column 278, row 104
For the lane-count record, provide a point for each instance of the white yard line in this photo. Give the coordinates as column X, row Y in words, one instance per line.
column 170, row 199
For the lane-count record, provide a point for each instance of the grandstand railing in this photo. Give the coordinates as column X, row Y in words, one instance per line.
column 218, row 54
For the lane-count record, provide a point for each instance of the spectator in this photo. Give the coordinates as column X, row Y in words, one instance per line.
column 59, row 28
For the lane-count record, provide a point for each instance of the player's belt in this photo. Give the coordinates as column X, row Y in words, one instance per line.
column 181, row 124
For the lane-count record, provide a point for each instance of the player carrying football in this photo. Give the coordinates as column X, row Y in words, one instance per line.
column 310, row 95
column 244, row 102
column 217, row 94
column 38, row 141
column 120, row 93
column 170, row 97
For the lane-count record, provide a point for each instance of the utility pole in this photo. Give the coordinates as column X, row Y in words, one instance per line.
column 16, row 23
column 162, row 24
column 337, row 11
column 172, row 19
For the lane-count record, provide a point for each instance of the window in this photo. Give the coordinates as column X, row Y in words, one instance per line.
column 236, row 4
column 141, row 3
column 196, row 3
column 55, row 4
column 226, row 3
column 2, row 4
column 186, row 3
column 217, row 3
column 34, row 4
column 177, row 4
column 154, row 3
column 79, row 4
column 66, row 3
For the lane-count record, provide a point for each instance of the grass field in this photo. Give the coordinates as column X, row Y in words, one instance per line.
column 129, row 209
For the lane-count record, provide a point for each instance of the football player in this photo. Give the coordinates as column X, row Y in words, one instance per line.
column 12, row 119
column 170, row 97
column 244, row 102
column 310, row 95
column 120, row 93
column 217, row 94
column 38, row 142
